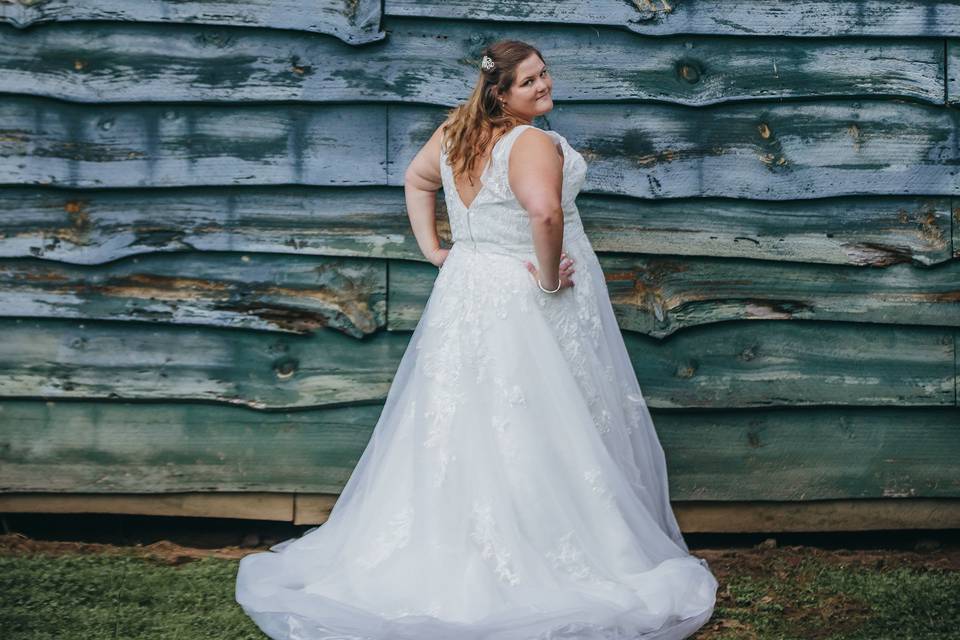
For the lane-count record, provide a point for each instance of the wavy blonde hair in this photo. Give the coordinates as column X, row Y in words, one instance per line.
column 471, row 125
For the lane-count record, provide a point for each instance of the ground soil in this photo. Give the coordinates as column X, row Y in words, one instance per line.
column 756, row 560
column 763, row 560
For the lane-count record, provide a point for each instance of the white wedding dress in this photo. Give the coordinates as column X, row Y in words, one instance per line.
column 514, row 487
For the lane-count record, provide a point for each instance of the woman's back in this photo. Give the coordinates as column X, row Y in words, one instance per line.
column 495, row 216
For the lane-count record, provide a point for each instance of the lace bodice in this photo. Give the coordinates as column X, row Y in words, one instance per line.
column 496, row 217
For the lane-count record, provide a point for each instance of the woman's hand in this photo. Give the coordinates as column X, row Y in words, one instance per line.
column 438, row 256
column 566, row 271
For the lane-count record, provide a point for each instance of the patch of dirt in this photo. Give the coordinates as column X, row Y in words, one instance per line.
column 761, row 562
column 834, row 615
column 162, row 551
column 830, row 615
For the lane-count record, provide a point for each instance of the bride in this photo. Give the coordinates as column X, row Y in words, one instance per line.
column 514, row 486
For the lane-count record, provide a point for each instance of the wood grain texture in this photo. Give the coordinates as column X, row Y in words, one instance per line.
column 99, row 225
column 658, row 296
column 354, row 21
column 295, row 294
column 730, row 364
column 208, row 279
column 782, row 151
column 62, row 144
column 95, row 226
column 774, row 363
column 812, row 18
column 956, row 227
column 436, row 62
column 249, row 505
column 313, row 508
column 856, row 230
column 115, row 447
column 102, row 360
column 952, row 85
column 819, row 515
column 409, row 286
column 96, row 447
column 694, row 516
column 812, row 453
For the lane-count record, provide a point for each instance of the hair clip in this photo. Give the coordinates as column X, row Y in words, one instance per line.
column 487, row 63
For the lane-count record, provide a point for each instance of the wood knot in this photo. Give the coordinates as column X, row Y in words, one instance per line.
column 286, row 367
column 685, row 371
column 690, row 73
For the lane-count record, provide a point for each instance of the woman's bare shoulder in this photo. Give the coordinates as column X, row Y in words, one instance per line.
column 534, row 136
column 535, row 142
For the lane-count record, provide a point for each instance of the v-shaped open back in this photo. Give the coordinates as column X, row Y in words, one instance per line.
column 495, row 217
column 486, row 168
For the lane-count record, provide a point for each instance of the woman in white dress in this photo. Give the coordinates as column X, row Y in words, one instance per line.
column 514, row 486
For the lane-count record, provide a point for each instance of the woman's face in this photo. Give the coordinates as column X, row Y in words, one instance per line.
column 531, row 93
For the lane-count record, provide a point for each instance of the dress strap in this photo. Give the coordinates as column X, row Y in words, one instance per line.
column 505, row 144
column 501, row 151
column 511, row 136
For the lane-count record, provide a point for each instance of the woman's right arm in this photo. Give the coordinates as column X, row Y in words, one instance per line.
column 536, row 178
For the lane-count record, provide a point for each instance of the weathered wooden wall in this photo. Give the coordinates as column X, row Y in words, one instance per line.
column 207, row 276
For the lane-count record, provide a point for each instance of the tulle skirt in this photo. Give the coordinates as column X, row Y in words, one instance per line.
column 513, row 488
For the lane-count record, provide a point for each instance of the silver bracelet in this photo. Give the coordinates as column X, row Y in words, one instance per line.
column 559, row 282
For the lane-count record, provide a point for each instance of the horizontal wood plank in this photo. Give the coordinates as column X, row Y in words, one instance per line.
column 805, row 363
column 658, row 296
column 100, row 225
column 436, row 62
column 786, row 151
column 729, row 364
column 863, row 231
column 820, row 515
column 783, row 151
column 354, row 21
column 53, row 359
column 693, row 516
column 246, row 505
column 812, row 453
column 295, row 294
column 114, row 447
column 96, row 447
column 96, row 226
column 809, row 18
column 62, row 144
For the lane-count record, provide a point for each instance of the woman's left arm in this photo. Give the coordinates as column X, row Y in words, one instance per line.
column 421, row 181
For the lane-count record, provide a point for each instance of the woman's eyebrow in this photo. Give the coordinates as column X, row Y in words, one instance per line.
column 533, row 74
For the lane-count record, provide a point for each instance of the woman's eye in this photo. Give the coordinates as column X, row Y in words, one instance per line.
column 541, row 73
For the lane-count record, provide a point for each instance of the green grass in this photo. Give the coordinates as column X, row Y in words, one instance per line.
column 93, row 597
column 818, row 600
